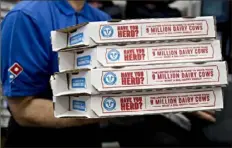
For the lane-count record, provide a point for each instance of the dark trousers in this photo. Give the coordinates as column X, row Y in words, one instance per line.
column 157, row 131
column 84, row 136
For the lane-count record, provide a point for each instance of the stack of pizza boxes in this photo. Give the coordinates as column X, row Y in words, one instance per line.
column 138, row 67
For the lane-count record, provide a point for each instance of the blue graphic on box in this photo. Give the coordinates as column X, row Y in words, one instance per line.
column 110, row 78
column 107, row 31
column 79, row 105
column 84, row 60
column 113, row 55
column 77, row 38
column 109, row 104
column 78, row 83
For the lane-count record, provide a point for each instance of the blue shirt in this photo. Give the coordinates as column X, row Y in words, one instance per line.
column 27, row 60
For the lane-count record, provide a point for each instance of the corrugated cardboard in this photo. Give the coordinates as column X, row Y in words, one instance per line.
column 140, row 78
column 72, row 83
column 140, row 54
column 186, row 100
column 128, row 31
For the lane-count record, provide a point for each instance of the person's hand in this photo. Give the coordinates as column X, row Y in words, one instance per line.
column 206, row 115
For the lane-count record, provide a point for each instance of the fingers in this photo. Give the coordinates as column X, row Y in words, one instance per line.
column 212, row 112
column 206, row 115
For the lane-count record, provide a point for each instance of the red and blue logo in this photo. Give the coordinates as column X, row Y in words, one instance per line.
column 15, row 70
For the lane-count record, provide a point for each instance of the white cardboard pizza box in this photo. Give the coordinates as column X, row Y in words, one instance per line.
column 129, row 31
column 139, row 78
column 183, row 100
column 140, row 54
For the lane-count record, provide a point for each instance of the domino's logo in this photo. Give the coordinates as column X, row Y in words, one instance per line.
column 79, row 105
column 84, row 60
column 76, row 38
column 78, row 83
column 113, row 55
column 110, row 78
column 107, row 31
column 109, row 104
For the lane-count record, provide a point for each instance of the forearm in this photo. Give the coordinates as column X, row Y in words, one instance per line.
column 53, row 122
column 38, row 112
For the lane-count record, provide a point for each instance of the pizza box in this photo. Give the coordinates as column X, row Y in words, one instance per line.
column 140, row 54
column 131, row 31
column 97, row 106
column 147, row 77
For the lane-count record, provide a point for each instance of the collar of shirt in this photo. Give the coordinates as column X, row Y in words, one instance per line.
column 67, row 9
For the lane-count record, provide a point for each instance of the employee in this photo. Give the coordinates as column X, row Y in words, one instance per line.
column 27, row 62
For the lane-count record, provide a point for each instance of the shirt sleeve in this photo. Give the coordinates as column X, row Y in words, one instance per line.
column 106, row 17
column 24, row 56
